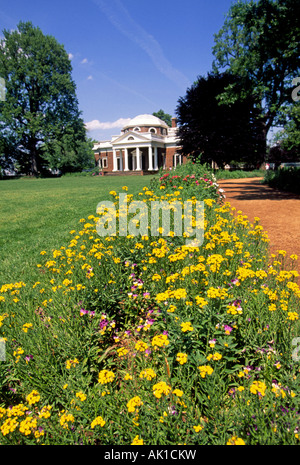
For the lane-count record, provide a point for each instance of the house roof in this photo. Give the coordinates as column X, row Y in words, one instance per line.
column 145, row 120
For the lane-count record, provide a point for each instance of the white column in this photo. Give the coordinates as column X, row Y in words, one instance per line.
column 126, row 159
column 138, row 160
column 121, row 160
column 115, row 167
column 155, row 158
column 150, row 159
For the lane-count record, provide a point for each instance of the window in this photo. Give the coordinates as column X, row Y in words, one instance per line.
column 137, row 129
column 104, row 163
column 130, row 138
column 152, row 130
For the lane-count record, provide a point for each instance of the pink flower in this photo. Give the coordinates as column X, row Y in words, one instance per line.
column 227, row 329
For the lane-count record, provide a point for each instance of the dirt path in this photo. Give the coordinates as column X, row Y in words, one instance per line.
column 279, row 212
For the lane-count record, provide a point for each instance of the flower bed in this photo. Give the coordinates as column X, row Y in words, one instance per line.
column 153, row 339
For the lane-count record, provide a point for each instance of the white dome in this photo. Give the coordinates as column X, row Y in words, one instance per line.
column 145, row 120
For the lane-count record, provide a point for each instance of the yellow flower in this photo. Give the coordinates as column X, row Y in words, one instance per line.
column 133, row 403
column 181, row 358
column 171, row 309
column 71, row 363
column 178, row 392
column 201, row 301
column 186, row 326
column 293, row 316
column 205, row 370
column 81, row 396
column 45, row 412
column 148, row 373
column 161, row 388
column 33, row 397
column 272, row 307
column 28, row 424
column 9, row 426
column 198, row 428
column 26, row 326
column 156, row 277
column 137, row 441
column 105, row 376
column 141, row 346
column 235, row 441
column 258, row 387
column 122, row 351
column 160, row 340
column 98, row 421
column 65, row 418
column 215, row 356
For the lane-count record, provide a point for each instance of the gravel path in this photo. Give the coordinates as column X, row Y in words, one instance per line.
column 279, row 212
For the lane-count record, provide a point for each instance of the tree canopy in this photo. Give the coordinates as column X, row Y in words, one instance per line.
column 215, row 131
column 164, row 117
column 259, row 43
column 40, row 123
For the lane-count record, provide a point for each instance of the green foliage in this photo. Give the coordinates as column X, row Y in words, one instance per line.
column 164, row 117
column 259, row 43
column 285, row 179
column 39, row 119
column 219, row 131
column 289, row 137
column 238, row 174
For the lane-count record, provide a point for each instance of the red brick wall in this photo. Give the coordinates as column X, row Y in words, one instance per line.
column 170, row 151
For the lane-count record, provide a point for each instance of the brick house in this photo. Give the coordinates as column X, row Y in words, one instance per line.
column 145, row 144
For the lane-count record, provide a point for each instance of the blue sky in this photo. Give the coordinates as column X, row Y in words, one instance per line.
column 128, row 56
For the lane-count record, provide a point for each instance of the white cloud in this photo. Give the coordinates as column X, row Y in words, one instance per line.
column 121, row 19
column 85, row 60
column 70, row 55
column 96, row 124
column 90, row 78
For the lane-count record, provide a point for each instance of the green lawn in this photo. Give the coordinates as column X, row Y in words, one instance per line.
column 37, row 214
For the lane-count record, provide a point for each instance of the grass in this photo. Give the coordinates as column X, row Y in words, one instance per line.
column 238, row 174
column 38, row 213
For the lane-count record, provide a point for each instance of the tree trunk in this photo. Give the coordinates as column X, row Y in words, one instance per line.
column 33, row 158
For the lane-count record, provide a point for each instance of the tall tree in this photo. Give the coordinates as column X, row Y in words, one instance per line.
column 40, row 104
column 218, row 131
column 259, row 43
column 164, row 117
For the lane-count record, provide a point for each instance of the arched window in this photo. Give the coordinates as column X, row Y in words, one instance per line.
column 152, row 130
column 130, row 138
column 137, row 129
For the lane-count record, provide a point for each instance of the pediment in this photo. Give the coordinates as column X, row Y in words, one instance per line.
column 130, row 137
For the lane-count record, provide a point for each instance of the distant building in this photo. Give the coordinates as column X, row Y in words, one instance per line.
column 145, row 144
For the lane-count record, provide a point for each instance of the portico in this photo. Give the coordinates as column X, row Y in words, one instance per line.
column 135, row 158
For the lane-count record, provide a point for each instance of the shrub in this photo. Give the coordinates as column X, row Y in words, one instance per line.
column 286, row 179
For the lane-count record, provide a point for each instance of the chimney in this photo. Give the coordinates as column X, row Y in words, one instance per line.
column 174, row 122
